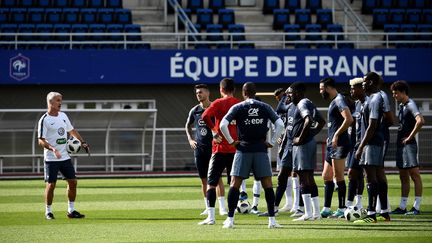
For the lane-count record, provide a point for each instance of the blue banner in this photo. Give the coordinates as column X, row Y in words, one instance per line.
column 210, row 66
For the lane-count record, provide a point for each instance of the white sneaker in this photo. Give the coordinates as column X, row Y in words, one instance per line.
column 207, row 221
column 316, row 217
column 223, row 211
column 205, row 212
column 228, row 224
column 274, row 225
column 254, row 210
column 294, row 209
column 304, row 218
column 285, row 208
column 297, row 213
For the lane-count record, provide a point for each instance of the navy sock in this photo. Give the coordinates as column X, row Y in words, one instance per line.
column 352, row 188
column 233, row 197
column 372, row 189
column 341, row 193
column 328, row 193
column 280, row 190
column 301, row 203
column 211, row 197
column 360, row 185
column 270, row 199
column 382, row 193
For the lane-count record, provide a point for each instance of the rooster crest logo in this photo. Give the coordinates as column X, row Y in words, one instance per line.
column 19, row 67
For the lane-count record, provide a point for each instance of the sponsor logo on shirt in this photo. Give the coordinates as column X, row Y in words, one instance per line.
column 255, row 121
column 61, row 131
column 253, row 111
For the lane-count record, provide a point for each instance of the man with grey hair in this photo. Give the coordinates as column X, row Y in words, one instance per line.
column 53, row 129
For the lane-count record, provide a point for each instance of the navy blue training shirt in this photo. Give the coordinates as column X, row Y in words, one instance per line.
column 203, row 135
column 305, row 108
column 282, row 109
column 407, row 121
column 335, row 120
column 374, row 109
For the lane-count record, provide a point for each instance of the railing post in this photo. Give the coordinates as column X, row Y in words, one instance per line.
column 164, row 150
column 1, row 165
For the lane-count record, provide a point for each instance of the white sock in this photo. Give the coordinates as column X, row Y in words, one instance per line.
column 272, row 220
column 335, row 184
column 205, row 203
column 255, row 201
column 296, row 192
column 307, row 205
column 48, row 209
column 417, row 201
column 256, row 193
column 211, row 213
column 71, row 207
column 243, row 186
column 349, row 203
column 316, row 207
column 378, row 205
column 231, row 219
column 221, row 203
column 403, row 203
column 288, row 193
column 358, row 200
column 326, row 209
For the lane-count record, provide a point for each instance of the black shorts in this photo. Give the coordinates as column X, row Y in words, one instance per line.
column 340, row 152
column 352, row 162
column 202, row 160
column 52, row 168
column 218, row 163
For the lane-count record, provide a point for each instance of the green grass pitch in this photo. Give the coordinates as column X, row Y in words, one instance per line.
column 167, row 209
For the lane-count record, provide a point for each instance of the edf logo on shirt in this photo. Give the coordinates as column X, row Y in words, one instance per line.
column 253, row 111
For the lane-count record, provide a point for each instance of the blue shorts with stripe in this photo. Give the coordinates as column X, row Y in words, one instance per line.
column 304, row 156
column 52, row 168
column 372, row 155
column 246, row 162
column 406, row 156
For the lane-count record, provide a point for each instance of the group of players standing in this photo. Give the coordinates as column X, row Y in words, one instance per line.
column 232, row 134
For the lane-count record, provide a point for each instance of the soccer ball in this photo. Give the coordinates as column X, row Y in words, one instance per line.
column 352, row 214
column 243, row 206
column 73, row 145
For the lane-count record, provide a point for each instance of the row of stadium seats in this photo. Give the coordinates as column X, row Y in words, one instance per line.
column 292, row 5
column 249, row 45
column 314, row 28
column 409, row 28
column 400, row 16
column 194, row 5
column 215, row 29
column 204, row 17
column 303, row 17
column 66, row 15
column 65, row 29
column 61, row 3
column 369, row 5
column 141, row 46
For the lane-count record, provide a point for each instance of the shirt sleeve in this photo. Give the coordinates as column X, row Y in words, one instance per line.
column 272, row 114
column 69, row 126
column 304, row 111
column 42, row 129
column 341, row 104
column 374, row 107
column 386, row 101
column 412, row 107
column 191, row 119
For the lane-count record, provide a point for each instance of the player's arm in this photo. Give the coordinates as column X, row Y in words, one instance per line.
column 389, row 118
column 370, row 130
column 44, row 144
column 348, row 120
column 224, row 126
column 84, row 144
column 207, row 117
column 304, row 132
column 420, row 121
column 188, row 128
column 279, row 128
column 319, row 123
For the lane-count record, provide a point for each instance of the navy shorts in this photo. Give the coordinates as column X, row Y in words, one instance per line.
column 218, row 163
column 304, row 156
column 372, row 155
column 52, row 168
column 352, row 162
column 202, row 160
column 287, row 159
column 257, row 162
column 406, row 156
column 340, row 152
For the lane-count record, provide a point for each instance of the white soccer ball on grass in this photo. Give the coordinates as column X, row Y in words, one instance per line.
column 243, row 206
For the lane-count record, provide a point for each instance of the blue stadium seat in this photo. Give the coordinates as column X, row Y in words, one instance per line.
column 324, row 46
column 246, row 45
column 171, row 9
column 60, row 3
column 387, row 4
column 140, row 46
column 204, row 17
column 62, row 28
column 324, row 17
column 302, row 46
column 369, row 5
column 425, row 28
column 192, row 37
column 302, row 17
column 26, row 3
column 78, row 3
column 223, row 46
column 214, row 28
column 18, row 15
column 348, row 45
column 397, row 16
column 26, row 28
column 9, row 4
column 280, row 18
column 123, row 16
column 4, row 15
column 53, row 15
column 292, row 5
column 335, row 28
column 380, row 17
column 392, row 28
column 132, row 28
column 403, row 4
column 313, row 5
column 413, row 16
column 44, row 28
column 36, row 15
column 8, row 28
column 204, row 46
column 427, row 16
column 115, row 28
column 408, row 28
column 226, row 17
column 105, row 15
column 79, row 28
column 71, row 15
column 95, row 29
column 114, row 4
column 194, row 5
column 43, row 3
column 270, row 5
column 419, row 4
column 88, row 16
column 95, row 3
column 237, row 29
column 215, row 5
column 313, row 28
column 292, row 28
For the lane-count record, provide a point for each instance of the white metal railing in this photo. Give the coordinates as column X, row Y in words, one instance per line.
column 183, row 40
